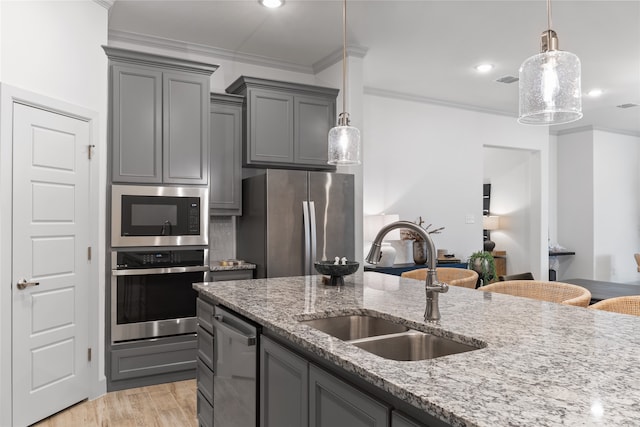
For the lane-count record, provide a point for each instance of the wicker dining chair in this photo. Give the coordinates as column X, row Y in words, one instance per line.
column 451, row 276
column 623, row 305
column 563, row 293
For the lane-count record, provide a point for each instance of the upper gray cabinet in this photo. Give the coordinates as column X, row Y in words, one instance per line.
column 286, row 124
column 159, row 109
column 225, row 183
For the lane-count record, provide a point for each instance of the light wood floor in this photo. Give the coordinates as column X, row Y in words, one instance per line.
column 170, row 405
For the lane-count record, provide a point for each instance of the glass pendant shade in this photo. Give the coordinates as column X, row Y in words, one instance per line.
column 344, row 145
column 550, row 89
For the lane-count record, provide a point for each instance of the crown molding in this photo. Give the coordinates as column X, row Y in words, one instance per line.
column 426, row 100
column 334, row 57
column 172, row 46
column 591, row 128
column 105, row 3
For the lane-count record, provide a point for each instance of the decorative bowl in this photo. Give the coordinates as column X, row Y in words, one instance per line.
column 336, row 271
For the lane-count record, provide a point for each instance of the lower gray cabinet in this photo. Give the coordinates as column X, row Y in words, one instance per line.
column 398, row 419
column 334, row 403
column 205, row 412
column 222, row 275
column 283, row 387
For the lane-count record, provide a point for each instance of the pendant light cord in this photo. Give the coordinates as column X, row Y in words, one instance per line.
column 344, row 56
column 548, row 14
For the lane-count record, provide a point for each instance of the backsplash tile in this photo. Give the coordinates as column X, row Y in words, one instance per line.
column 222, row 238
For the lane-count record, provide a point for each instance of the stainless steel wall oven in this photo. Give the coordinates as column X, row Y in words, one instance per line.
column 152, row 294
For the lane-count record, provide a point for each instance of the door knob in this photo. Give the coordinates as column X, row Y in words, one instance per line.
column 23, row 284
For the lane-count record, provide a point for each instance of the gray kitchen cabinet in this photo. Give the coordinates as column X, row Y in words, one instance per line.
column 284, row 384
column 334, row 403
column 398, row 419
column 159, row 118
column 223, row 275
column 225, row 165
column 286, row 124
column 204, row 371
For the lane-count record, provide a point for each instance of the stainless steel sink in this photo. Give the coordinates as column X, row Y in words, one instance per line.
column 354, row 327
column 386, row 338
column 412, row 346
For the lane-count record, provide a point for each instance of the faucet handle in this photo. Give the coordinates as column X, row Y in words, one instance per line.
column 439, row 287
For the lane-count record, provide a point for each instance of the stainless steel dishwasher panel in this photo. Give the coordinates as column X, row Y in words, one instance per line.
column 235, row 370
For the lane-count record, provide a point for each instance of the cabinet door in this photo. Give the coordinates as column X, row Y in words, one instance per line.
column 333, row 403
column 283, row 387
column 313, row 118
column 270, row 126
column 225, row 184
column 185, row 128
column 136, row 130
column 400, row 420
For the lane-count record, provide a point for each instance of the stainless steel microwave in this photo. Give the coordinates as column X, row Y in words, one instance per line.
column 159, row 216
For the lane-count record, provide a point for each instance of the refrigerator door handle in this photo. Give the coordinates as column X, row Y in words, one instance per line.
column 314, row 242
column 307, row 238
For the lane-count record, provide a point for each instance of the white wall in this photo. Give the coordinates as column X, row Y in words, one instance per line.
column 598, row 204
column 616, row 221
column 576, row 203
column 52, row 48
column 426, row 160
column 509, row 173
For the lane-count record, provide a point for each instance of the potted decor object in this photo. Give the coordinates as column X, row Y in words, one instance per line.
column 419, row 245
column 482, row 262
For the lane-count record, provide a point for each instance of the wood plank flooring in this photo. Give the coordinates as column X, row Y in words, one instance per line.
column 170, row 405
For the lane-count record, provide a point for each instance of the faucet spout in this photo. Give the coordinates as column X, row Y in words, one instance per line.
column 432, row 286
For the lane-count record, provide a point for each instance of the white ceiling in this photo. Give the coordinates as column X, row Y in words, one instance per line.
column 421, row 48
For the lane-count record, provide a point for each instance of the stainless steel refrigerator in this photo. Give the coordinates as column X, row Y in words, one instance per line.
column 290, row 219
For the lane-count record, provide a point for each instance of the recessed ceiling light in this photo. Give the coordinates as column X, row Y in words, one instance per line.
column 484, row 68
column 271, row 4
column 595, row 92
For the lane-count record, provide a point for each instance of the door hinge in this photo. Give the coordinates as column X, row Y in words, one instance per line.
column 89, row 253
column 89, row 354
column 90, row 151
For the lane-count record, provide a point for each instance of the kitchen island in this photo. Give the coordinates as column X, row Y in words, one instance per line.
column 540, row 364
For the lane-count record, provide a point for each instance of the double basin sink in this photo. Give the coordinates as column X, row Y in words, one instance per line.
column 387, row 339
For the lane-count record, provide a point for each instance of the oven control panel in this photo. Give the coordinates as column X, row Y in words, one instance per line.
column 151, row 259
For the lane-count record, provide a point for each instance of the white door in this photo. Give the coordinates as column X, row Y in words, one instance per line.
column 50, row 245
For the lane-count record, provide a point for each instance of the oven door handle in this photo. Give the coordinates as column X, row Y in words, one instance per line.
column 165, row 270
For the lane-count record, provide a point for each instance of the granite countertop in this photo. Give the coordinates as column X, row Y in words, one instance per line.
column 544, row 364
column 230, row 266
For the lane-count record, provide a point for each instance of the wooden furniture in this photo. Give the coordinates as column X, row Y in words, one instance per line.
column 623, row 305
column 225, row 177
column 604, row 290
column 286, row 124
column 563, row 293
column 159, row 118
column 451, row 276
column 500, row 259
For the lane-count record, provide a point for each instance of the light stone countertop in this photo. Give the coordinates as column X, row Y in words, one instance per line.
column 544, row 364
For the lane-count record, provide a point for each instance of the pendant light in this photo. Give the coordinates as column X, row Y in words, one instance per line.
column 344, row 140
column 550, row 91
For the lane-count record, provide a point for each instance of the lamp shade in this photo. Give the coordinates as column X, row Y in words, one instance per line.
column 344, row 145
column 550, row 89
column 491, row 222
column 373, row 224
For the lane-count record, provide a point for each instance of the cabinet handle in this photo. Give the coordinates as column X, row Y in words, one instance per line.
column 247, row 340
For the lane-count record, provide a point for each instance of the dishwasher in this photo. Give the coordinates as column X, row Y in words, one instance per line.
column 235, row 381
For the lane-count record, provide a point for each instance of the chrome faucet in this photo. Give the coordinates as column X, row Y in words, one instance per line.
column 432, row 286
